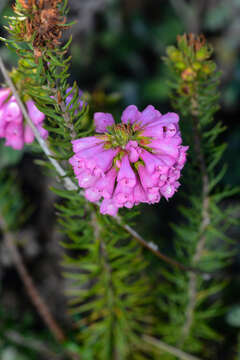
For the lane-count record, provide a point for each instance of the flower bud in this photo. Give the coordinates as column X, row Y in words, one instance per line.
column 188, row 75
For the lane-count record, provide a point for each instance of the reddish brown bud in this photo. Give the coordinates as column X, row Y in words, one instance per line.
column 188, row 75
column 44, row 23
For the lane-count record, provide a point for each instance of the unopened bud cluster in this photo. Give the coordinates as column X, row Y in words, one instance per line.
column 190, row 60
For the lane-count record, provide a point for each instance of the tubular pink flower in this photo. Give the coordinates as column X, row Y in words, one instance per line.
column 86, row 179
column 162, row 179
column 136, row 161
column 133, row 153
column 102, row 121
column 14, row 136
column 105, row 185
column 182, row 157
column 28, row 135
column 2, row 122
column 95, row 159
column 43, row 132
column 14, row 129
column 167, row 159
column 153, row 196
column 84, row 143
column 4, row 94
column 171, row 130
column 36, row 115
column 149, row 115
column 77, row 164
column 165, row 147
column 152, row 162
column 12, row 125
column 168, row 190
column 126, row 175
column 88, row 153
column 123, row 196
column 155, row 131
column 15, row 142
column 147, row 180
column 2, row 131
column 139, row 194
column 130, row 115
column 169, row 118
column 101, row 162
column 174, row 175
column 172, row 142
column 92, row 194
column 12, row 112
column 108, row 207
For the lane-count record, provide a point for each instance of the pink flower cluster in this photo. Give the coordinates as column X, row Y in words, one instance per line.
column 12, row 126
column 137, row 161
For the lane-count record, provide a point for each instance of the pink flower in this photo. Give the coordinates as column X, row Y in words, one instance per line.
column 12, row 111
column 137, row 161
column 14, row 135
column 149, row 115
column 139, row 194
column 84, row 143
column 130, row 115
column 182, row 157
column 168, row 190
column 171, row 130
column 133, row 151
column 12, row 125
column 108, row 207
column 4, row 94
column 166, row 119
column 102, row 121
column 147, row 179
column 36, row 116
column 43, row 132
column 101, row 162
column 126, row 175
column 153, row 196
column 28, row 135
column 77, row 164
column 86, row 179
column 152, row 162
column 103, row 187
column 123, row 196
column 155, row 131
column 87, row 153
column 93, row 194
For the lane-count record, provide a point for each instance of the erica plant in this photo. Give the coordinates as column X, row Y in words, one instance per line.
column 120, row 308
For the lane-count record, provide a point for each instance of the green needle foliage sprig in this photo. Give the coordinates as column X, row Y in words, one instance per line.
column 111, row 299
column 191, row 301
column 11, row 201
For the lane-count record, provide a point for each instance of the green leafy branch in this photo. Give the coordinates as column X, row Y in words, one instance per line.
column 201, row 240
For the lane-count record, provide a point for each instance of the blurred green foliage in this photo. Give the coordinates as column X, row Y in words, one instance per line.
column 9, row 156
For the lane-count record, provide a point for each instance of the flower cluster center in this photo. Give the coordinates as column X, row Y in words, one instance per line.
column 120, row 135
